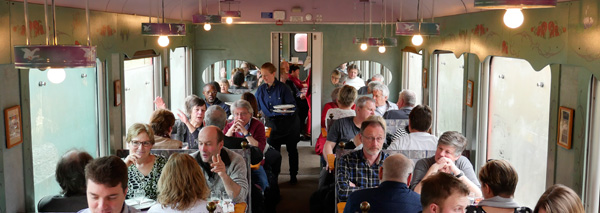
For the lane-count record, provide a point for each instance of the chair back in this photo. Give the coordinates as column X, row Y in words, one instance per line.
column 122, row 153
column 394, row 124
column 229, row 97
column 245, row 153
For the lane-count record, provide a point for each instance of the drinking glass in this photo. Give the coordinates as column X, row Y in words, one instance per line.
column 139, row 195
column 185, row 145
column 215, row 196
column 227, row 203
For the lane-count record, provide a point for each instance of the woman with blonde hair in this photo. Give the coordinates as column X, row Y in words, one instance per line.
column 559, row 198
column 182, row 187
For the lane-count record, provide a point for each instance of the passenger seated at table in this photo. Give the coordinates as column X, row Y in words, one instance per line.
column 189, row 124
column 345, row 102
column 559, row 198
column 498, row 183
column 162, row 122
column 70, row 175
column 224, row 170
column 406, row 102
column 442, row 192
column 346, row 129
column 353, row 79
column 182, row 187
column 365, row 90
column 238, row 81
column 360, row 169
column 106, row 180
column 419, row 123
column 252, row 100
column 381, row 94
column 224, row 84
column 393, row 194
column 143, row 168
column 210, row 96
column 447, row 159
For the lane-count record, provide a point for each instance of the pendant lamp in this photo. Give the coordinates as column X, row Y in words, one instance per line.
column 163, row 30
column 419, row 28
column 204, row 18
column 513, row 18
column 52, row 55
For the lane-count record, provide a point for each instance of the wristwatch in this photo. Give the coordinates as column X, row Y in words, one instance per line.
column 247, row 135
column 460, row 174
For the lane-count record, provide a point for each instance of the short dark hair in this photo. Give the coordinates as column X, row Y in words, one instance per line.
column 294, row 67
column 161, row 121
column 438, row 187
column 375, row 121
column 248, row 96
column 109, row 171
column 238, row 79
column 70, row 172
column 353, row 67
column 268, row 66
column 420, row 118
column 500, row 177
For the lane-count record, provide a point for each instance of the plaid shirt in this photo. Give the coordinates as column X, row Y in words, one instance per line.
column 354, row 168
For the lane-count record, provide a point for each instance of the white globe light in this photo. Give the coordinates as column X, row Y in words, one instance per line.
column 163, row 41
column 363, row 46
column 513, row 18
column 382, row 49
column 229, row 20
column 417, row 40
column 207, row 27
column 56, row 76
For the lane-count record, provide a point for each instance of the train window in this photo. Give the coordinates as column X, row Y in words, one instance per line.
column 449, row 93
column 139, row 90
column 518, row 122
column 300, row 41
column 64, row 116
column 179, row 76
column 413, row 72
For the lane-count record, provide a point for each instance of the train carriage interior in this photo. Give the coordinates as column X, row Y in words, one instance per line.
column 524, row 93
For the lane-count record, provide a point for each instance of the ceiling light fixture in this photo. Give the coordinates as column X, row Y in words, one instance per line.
column 362, row 41
column 418, row 29
column 513, row 18
column 54, row 56
column 230, row 14
column 163, row 30
column 203, row 17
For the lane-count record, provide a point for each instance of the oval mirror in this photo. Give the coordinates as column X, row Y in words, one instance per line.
column 359, row 73
column 225, row 72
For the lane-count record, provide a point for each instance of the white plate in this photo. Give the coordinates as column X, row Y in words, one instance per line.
column 146, row 203
column 284, row 106
column 283, row 111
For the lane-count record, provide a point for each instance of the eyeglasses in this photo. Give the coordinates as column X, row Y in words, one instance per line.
column 367, row 138
column 138, row 143
column 239, row 114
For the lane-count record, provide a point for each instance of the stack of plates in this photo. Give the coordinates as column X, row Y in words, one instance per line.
column 284, row 108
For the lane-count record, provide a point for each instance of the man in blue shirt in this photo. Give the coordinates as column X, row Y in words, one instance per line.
column 284, row 124
column 210, row 96
column 393, row 194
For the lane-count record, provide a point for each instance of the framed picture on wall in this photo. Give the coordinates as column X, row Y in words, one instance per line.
column 470, row 93
column 12, row 124
column 117, row 92
column 565, row 127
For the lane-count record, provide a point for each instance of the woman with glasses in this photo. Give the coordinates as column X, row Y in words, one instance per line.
column 143, row 168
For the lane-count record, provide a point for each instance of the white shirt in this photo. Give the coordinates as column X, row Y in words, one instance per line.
column 355, row 82
column 199, row 207
column 415, row 141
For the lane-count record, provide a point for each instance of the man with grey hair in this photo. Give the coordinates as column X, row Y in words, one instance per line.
column 381, row 94
column 406, row 102
column 393, row 194
column 447, row 159
column 345, row 129
column 377, row 78
column 215, row 116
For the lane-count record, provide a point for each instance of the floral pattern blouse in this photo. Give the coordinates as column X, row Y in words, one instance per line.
column 149, row 183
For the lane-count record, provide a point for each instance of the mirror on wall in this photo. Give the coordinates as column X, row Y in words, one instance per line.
column 234, row 76
column 359, row 73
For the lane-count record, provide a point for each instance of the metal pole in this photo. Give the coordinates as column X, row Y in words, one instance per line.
column 26, row 22
column 87, row 20
column 46, row 22
column 54, row 22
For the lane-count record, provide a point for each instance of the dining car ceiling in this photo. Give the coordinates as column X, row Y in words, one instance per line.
column 331, row 11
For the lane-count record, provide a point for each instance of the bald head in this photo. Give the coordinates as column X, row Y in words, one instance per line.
column 397, row 168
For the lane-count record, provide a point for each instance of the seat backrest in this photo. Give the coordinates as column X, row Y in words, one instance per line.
column 414, row 155
column 395, row 124
column 245, row 153
column 122, row 153
column 229, row 97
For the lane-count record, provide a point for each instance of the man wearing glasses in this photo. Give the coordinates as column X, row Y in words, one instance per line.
column 360, row 169
column 210, row 96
